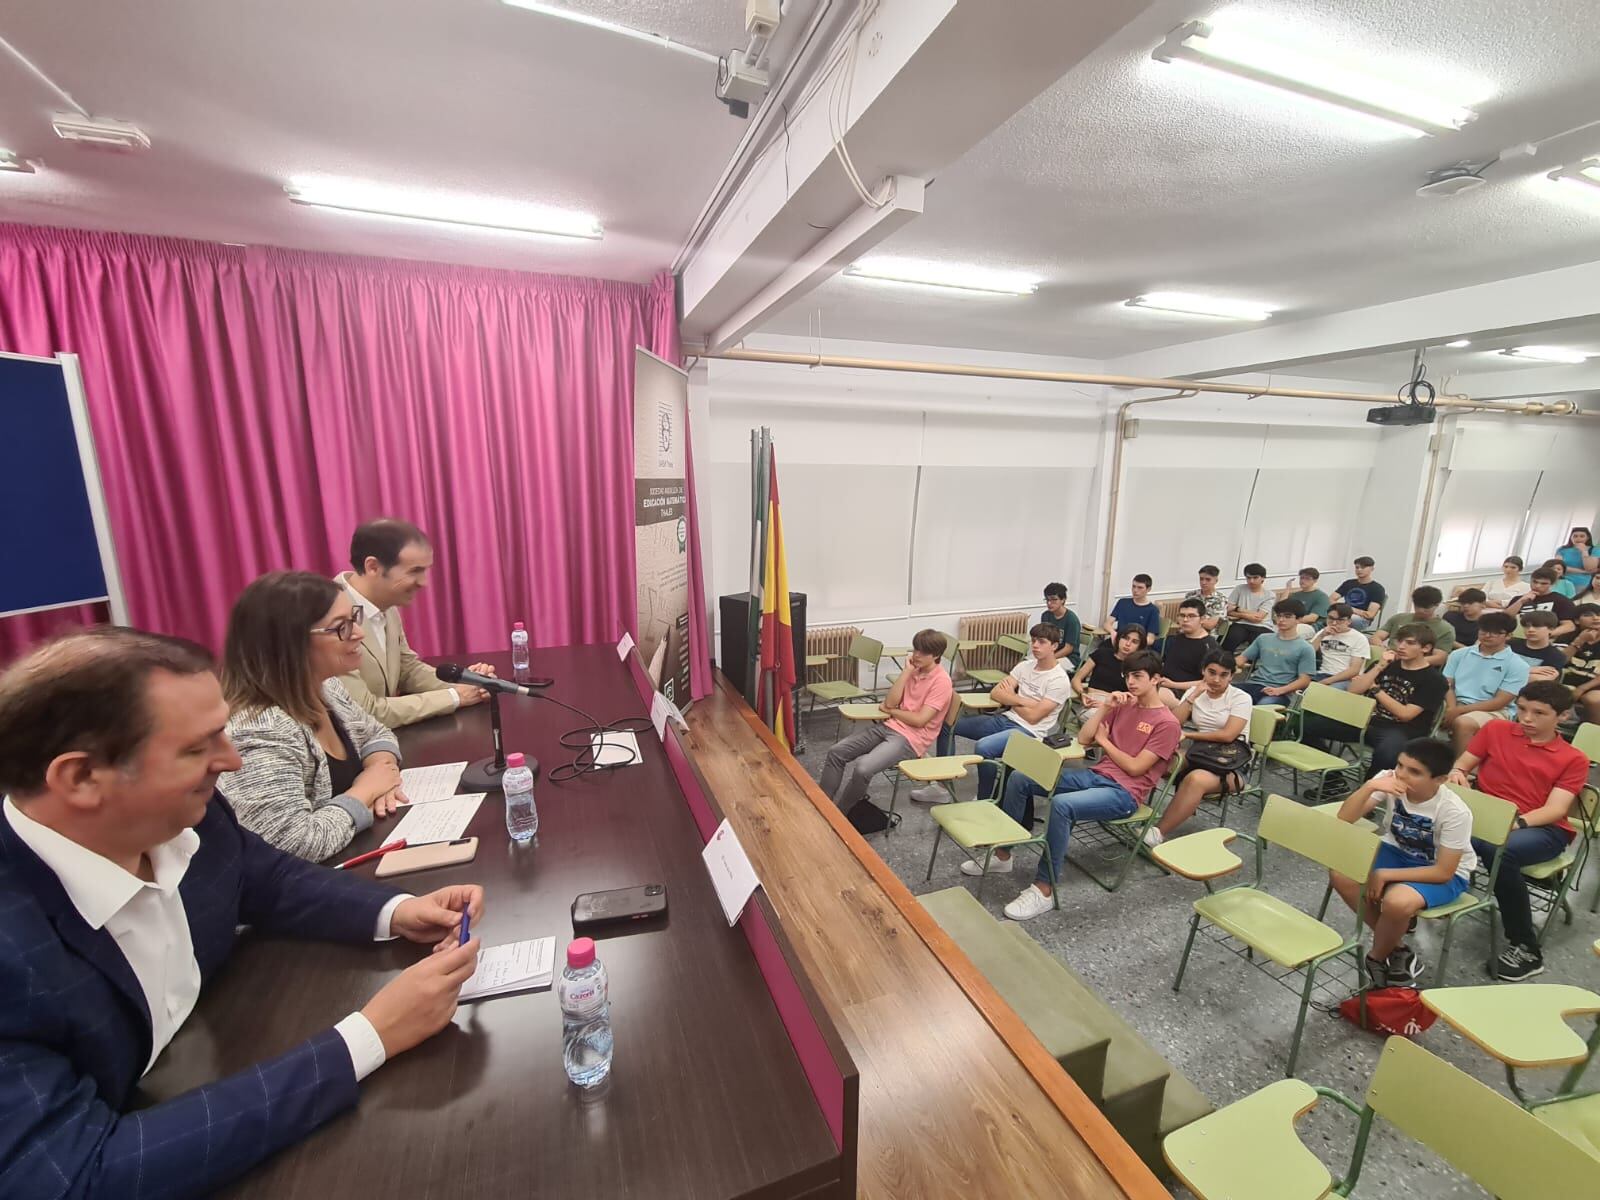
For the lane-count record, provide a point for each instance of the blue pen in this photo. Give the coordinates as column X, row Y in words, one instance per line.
column 466, row 928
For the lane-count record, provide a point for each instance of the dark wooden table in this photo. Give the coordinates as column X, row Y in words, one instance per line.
column 706, row 1096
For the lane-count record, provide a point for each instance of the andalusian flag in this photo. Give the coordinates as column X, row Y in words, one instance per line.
column 777, row 631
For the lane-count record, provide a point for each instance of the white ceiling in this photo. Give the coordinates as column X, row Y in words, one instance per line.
column 1131, row 176
column 1479, row 359
column 456, row 95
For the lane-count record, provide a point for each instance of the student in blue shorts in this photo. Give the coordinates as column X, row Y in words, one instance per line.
column 1425, row 860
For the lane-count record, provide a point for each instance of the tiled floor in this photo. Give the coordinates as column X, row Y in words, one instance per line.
column 1229, row 1029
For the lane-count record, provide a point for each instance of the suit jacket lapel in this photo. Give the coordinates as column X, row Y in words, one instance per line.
column 95, row 946
column 391, row 647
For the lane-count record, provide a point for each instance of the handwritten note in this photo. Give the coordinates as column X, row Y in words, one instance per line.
column 438, row 820
column 623, row 646
column 517, row 967
column 730, row 871
column 423, row 785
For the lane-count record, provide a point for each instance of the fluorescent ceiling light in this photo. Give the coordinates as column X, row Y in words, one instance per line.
column 1458, row 344
column 638, row 35
column 948, row 276
column 473, row 212
column 1201, row 306
column 1550, row 354
column 1586, row 173
column 1401, row 108
column 9, row 161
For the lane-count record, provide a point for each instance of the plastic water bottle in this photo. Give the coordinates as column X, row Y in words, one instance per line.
column 519, row 652
column 585, row 1015
column 522, row 817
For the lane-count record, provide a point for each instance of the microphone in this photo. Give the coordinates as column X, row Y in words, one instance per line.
column 455, row 673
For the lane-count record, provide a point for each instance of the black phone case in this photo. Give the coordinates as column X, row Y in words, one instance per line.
column 621, row 905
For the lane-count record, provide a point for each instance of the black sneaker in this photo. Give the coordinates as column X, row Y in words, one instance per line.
column 1517, row 963
column 1405, row 964
column 1378, row 974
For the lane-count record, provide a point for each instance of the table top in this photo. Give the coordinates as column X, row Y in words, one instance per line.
column 958, row 1100
column 706, row 1098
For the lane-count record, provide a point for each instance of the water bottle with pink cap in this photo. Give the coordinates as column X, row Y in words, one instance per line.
column 585, row 1015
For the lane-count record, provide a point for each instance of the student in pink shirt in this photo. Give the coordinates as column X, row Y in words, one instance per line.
column 916, row 704
column 1137, row 736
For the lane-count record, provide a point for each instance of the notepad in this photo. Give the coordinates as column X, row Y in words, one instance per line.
column 516, row 967
column 437, row 820
column 615, row 749
column 423, row 785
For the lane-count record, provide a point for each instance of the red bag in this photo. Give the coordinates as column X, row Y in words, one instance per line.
column 1395, row 1010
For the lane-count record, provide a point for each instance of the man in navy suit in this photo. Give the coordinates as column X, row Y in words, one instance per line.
column 123, row 877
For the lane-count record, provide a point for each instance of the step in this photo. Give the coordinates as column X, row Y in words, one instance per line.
column 1079, row 1047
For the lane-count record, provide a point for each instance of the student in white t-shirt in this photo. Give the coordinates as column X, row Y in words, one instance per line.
column 1213, row 710
column 1344, row 649
column 1425, row 861
column 1030, row 698
column 1509, row 586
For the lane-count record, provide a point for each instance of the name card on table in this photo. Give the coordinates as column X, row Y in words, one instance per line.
column 623, row 646
column 661, row 710
column 730, row 870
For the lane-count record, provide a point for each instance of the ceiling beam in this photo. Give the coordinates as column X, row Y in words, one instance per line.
column 925, row 90
column 1547, row 298
column 1548, row 380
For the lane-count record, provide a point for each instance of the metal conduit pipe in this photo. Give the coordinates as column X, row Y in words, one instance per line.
column 1116, row 486
column 1532, row 408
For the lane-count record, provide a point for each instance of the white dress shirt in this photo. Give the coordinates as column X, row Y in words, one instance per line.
column 375, row 624
column 151, row 928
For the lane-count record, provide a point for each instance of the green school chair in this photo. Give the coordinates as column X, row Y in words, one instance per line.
column 1323, row 701
column 863, row 651
column 1124, row 837
column 990, row 676
column 1269, row 927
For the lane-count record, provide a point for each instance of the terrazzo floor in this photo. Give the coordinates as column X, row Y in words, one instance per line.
column 1229, row 1029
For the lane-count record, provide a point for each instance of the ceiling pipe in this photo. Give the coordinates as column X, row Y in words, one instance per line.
column 1455, row 402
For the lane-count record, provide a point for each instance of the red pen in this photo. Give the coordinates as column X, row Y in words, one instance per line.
column 400, row 844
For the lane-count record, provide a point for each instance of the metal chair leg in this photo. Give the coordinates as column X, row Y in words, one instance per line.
column 1444, row 951
column 938, row 834
column 1183, row 963
column 1326, row 896
column 1300, row 1021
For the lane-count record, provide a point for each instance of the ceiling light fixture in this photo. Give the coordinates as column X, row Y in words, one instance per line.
column 952, row 277
column 472, row 212
column 10, row 161
column 1201, row 306
column 1550, row 354
column 1402, row 109
column 638, row 35
column 1587, row 173
column 1458, row 344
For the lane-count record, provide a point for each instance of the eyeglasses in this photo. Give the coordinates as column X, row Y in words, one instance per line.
column 341, row 628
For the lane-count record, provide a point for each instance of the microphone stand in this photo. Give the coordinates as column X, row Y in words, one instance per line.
column 484, row 774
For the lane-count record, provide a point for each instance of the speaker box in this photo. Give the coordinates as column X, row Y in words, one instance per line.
column 734, row 612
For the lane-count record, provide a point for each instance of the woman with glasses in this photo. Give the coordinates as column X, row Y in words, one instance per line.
column 317, row 768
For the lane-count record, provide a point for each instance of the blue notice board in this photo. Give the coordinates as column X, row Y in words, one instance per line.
column 54, row 544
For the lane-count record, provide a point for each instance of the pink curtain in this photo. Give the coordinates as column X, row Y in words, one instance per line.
column 252, row 406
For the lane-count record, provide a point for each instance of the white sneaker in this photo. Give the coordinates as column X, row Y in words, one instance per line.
column 1153, row 837
column 1028, row 904
column 933, row 793
column 997, row 866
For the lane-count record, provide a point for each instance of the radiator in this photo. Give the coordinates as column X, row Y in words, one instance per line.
column 835, row 640
column 986, row 627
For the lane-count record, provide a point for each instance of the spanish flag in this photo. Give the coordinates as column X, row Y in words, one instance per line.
column 777, row 632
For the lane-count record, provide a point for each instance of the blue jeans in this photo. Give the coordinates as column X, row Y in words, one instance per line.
column 1360, row 622
column 989, row 733
column 1253, row 688
column 1536, row 844
column 1081, row 795
column 1342, row 686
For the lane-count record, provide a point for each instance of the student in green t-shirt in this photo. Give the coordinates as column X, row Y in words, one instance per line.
column 1313, row 601
column 1425, row 602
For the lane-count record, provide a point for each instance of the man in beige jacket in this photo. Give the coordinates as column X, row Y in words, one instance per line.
column 392, row 559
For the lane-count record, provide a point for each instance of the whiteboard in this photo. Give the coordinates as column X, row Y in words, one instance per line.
column 55, row 538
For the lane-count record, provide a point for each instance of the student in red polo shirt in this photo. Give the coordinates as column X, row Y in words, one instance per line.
column 1528, row 763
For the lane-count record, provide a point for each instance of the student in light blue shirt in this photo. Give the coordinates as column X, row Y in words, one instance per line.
column 1284, row 661
column 1484, row 680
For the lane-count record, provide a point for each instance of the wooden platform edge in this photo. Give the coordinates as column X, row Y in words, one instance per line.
column 1135, row 1179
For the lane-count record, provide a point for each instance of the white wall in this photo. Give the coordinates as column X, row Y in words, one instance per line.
column 910, row 500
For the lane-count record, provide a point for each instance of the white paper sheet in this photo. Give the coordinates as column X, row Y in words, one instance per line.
column 623, row 646
column 423, row 785
column 730, row 870
column 616, row 749
column 661, row 711
column 437, row 821
column 517, row 967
